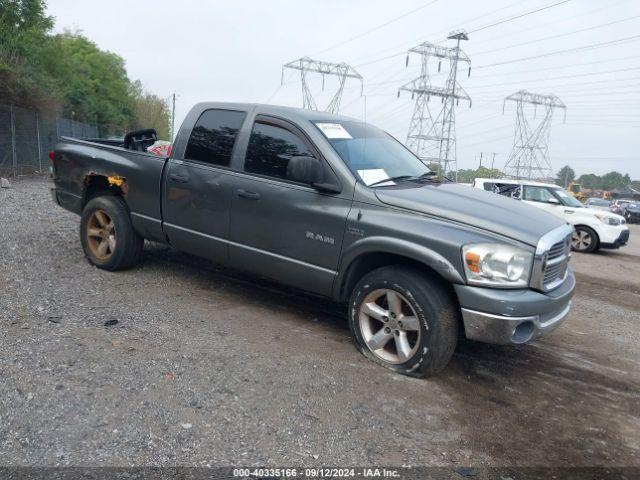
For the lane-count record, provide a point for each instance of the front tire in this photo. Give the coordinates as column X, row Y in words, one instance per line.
column 584, row 240
column 404, row 320
column 107, row 235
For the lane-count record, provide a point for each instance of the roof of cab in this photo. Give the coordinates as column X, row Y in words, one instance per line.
column 516, row 182
column 287, row 112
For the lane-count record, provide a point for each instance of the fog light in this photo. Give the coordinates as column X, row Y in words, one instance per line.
column 523, row 332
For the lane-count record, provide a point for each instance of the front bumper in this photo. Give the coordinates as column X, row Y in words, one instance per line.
column 622, row 239
column 633, row 217
column 513, row 316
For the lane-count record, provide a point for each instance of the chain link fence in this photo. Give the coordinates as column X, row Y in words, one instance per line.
column 27, row 136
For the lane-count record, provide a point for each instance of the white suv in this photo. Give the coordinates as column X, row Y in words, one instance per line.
column 593, row 228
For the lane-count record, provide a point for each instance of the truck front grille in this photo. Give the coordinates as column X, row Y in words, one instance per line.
column 556, row 266
column 552, row 259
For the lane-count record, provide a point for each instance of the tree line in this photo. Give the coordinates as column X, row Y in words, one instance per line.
column 70, row 75
column 608, row 181
column 565, row 176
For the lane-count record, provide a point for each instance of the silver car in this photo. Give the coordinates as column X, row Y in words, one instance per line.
column 597, row 204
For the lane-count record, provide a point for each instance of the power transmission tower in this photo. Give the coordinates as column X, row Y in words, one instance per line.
column 432, row 132
column 529, row 157
column 307, row 65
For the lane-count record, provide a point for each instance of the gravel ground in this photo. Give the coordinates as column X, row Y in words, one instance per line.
column 204, row 367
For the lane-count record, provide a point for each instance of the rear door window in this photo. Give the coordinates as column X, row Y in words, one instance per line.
column 537, row 194
column 512, row 190
column 214, row 136
column 270, row 149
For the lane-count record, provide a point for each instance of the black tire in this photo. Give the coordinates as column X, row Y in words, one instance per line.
column 127, row 244
column 432, row 303
column 583, row 232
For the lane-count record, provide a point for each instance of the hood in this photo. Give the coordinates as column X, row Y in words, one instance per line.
column 486, row 210
column 593, row 212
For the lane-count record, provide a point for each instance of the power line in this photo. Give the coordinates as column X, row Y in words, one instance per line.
column 519, row 16
column 632, row 38
column 559, row 67
column 423, row 37
column 572, row 84
column 360, row 35
column 531, row 12
column 559, row 35
column 608, row 7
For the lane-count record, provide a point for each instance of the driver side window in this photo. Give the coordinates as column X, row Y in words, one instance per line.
column 537, row 194
column 270, row 148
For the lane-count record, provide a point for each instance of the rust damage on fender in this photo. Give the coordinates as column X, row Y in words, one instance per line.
column 118, row 181
column 113, row 181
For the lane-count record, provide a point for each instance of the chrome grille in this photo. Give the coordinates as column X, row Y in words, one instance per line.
column 556, row 265
column 551, row 259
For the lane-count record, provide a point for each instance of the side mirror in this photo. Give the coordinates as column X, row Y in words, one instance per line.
column 553, row 201
column 309, row 170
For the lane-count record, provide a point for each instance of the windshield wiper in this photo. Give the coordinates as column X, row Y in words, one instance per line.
column 392, row 179
column 431, row 177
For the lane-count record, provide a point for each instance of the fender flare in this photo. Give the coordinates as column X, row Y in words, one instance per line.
column 399, row 247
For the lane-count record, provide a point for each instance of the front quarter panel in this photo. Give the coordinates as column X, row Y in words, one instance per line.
column 435, row 242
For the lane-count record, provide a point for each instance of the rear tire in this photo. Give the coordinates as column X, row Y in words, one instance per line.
column 107, row 235
column 584, row 240
column 404, row 320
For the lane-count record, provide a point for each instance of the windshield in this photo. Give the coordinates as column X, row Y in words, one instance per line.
column 566, row 199
column 597, row 202
column 371, row 154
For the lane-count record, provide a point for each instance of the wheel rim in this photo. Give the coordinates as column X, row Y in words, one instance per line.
column 389, row 326
column 581, row 240
column 101, row 234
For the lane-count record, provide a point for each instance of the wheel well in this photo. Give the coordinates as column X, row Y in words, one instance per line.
column 593, row 230
column 371, row 261
column 99, row 185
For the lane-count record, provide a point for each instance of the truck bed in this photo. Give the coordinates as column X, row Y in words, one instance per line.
column 82, row 166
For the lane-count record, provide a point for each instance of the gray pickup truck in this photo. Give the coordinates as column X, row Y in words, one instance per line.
column 335, row 207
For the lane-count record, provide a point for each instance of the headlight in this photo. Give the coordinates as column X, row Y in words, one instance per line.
column 497, row 265
column 608, row 219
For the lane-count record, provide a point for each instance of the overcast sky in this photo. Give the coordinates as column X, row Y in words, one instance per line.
column 234, row 51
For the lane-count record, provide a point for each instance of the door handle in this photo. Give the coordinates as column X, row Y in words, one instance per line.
column 248, row 195
column 178, row 178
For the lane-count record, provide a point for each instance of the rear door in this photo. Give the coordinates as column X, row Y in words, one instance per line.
column 198, row 189
column 279, row 228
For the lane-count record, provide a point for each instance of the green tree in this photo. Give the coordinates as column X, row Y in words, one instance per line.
column 590, row 180
column 612, row 180
column 151, row 112
column 565, row 176
column 469, row 175
column 25, row 54
column 93, row 83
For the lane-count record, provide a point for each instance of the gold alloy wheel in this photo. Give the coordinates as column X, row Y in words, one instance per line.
column 101, row 235
column 389, row 326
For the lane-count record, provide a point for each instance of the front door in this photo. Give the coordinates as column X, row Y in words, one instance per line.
column 198, row 189
column 279, row 228
column 542, row 197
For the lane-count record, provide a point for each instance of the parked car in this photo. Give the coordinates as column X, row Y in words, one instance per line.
column 632, row 212
column 335, row 207
column 594, row 229
column 618, row 206
column 598, row 204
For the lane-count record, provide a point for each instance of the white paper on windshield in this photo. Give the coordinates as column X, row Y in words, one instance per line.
column 333, row 130
column 373, row 175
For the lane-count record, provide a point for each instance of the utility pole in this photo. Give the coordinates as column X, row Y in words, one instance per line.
column 173, row 115
column 431, row 134
column 529, row 157
column 340, row 70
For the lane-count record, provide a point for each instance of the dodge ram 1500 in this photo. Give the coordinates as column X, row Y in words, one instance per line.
column 336, row 207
